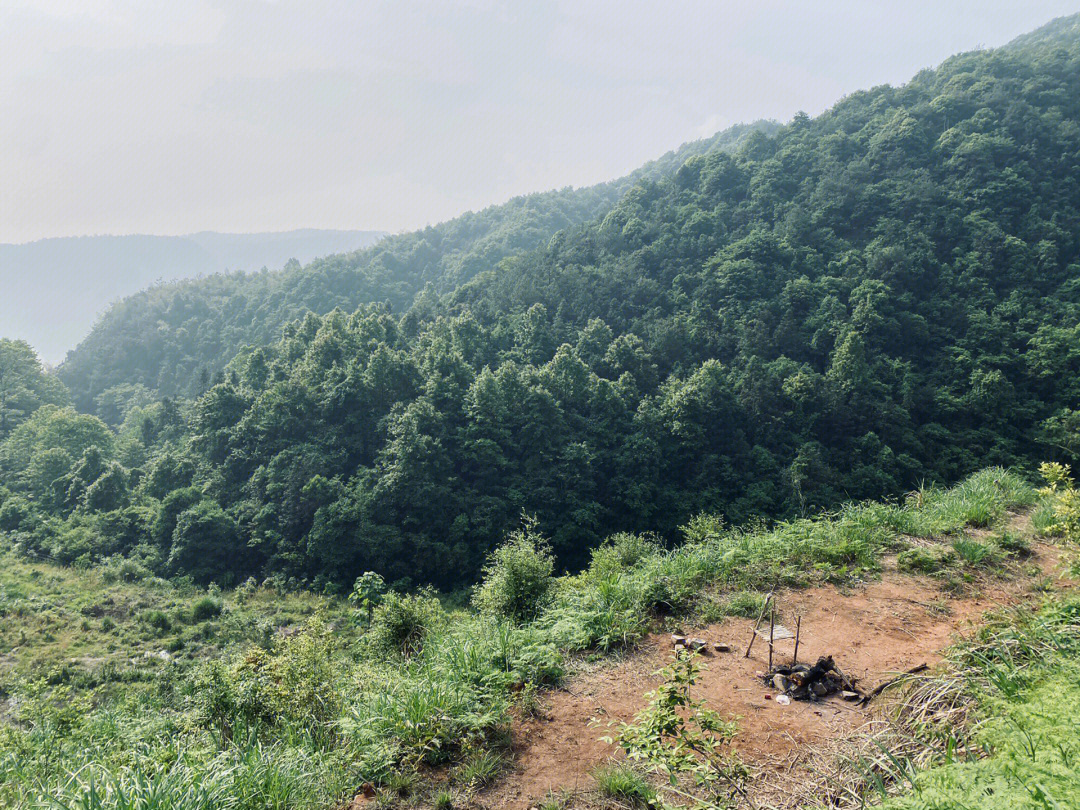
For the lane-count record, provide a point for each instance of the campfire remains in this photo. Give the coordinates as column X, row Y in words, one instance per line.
column 803, row 682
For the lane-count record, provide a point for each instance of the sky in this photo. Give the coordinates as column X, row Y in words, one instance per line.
column 244, row 115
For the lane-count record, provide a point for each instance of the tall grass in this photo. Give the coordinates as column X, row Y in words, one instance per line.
column 996, row 728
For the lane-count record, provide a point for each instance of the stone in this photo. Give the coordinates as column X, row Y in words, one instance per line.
column 848, row 695
column 677, row 639
column 721, row 646
column 819, row 689
column 780, row 683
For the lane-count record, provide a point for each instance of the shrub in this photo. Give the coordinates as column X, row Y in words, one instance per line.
column 402, row 622
column 367, row 592
column 622, row 551
column 13, row 514
column 517, row 576
column 205, row 608
column 246, row 589
column 1063, row 500
column 158, row 620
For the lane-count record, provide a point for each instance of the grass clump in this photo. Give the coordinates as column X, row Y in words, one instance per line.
column 918, row 560
column 480, row 769
column 745, row 604
column 401, row 623
column 621, row 783
column 974, row 554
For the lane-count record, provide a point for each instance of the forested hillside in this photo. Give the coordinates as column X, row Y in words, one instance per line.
column 883, row 295
column 170, row 338
column 55, row 289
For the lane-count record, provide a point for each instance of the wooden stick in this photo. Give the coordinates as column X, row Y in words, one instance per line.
column 795, row 655
column 753, row 634
column 881, row 687
column 772, row 624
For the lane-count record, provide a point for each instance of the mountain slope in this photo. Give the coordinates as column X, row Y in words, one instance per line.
column 91, row 272
column 880, row 297
column 167, row 337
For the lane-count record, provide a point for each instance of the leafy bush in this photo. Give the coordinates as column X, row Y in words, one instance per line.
column 205, row 608
column 13, row 513
column 1063, row 502
column 517, row 576
column 158, row 620
column 401, row 622
column 1012, row 543
column 367, row 592
column 621, row 552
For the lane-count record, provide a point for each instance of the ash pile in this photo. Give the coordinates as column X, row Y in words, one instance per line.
column 803, row 682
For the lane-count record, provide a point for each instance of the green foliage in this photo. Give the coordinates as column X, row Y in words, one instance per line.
column 1022, row 673
column 24, row 385
column 747, row 604
column 158, row 620
column 623, row 784
column 682, row 737
column 973, row 553
column 367, row 592
column 480, row 769
column 401, row 623
column 621, row 552
column 919, row 560
column 1062, row 502
column 517, row 576
column 13, row 514
column 205, row 608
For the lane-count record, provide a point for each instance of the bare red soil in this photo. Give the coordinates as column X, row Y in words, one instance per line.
column 873, row 632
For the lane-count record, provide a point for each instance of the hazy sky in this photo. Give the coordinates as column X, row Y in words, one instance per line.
column 241, row 115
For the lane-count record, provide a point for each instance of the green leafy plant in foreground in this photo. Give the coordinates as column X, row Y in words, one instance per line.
column 680, row 736
column 1063, row 501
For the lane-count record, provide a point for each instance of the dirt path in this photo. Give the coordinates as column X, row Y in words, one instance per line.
column 873, row 631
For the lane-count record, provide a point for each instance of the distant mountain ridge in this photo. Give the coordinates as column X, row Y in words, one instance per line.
column 167, row 337
column 56, row 288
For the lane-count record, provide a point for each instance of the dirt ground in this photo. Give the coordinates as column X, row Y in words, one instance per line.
column 873, row 632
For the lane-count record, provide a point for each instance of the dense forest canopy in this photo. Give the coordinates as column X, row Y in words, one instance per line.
column 170, row 338
column 836, row 309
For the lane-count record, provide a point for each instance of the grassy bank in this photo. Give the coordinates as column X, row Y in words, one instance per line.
column 244, row 716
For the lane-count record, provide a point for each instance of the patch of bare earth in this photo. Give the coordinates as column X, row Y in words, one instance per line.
column 873, row 631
